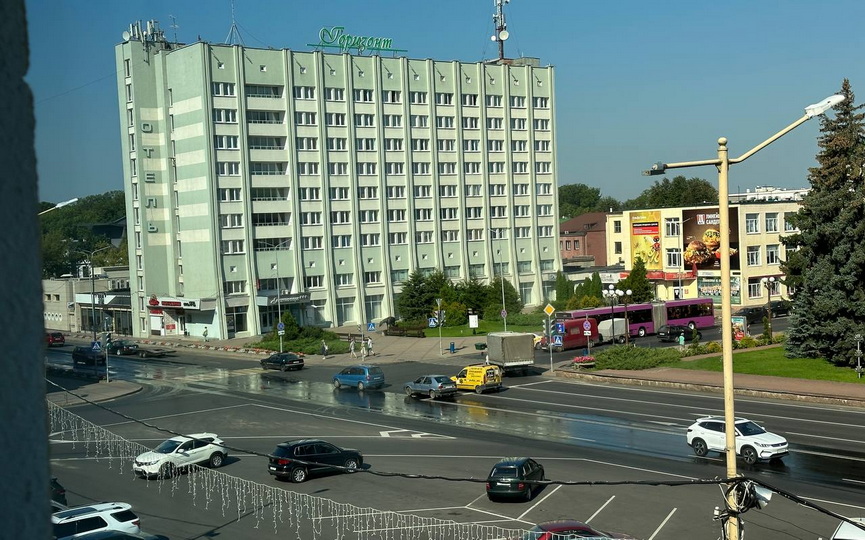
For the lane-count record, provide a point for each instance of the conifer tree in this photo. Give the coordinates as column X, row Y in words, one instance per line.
column 825, row 266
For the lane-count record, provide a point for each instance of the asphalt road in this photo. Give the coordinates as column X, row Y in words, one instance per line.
column 578, row 431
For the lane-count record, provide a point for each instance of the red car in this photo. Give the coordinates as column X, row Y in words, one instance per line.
column 55, row 338
column 567, row 529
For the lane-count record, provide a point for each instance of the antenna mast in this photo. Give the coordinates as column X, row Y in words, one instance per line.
column 233, row 37
column 174, row 26
column 501, row 27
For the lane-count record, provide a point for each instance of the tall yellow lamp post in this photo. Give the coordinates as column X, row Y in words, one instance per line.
column 723, row 163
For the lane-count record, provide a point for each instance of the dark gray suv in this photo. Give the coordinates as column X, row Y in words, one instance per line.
column 295, row 460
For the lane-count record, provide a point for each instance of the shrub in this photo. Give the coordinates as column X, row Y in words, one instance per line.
column 527, row 319
column 635, row 358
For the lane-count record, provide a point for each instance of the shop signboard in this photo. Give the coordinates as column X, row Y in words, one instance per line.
column 710, row 286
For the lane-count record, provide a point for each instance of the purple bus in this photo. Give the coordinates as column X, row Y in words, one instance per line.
column 647, row 318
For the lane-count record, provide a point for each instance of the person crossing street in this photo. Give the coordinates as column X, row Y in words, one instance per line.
column 351, row 346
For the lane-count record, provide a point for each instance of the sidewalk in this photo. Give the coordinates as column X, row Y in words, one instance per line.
column 392, row 349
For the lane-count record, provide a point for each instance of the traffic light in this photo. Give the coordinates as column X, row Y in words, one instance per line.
column 547, row 326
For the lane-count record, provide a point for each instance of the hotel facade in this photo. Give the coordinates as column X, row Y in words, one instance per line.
column 262, row 180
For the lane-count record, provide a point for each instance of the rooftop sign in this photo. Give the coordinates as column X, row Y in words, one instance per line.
column 336, row 38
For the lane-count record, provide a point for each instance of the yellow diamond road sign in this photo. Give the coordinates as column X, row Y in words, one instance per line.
column 549, row 310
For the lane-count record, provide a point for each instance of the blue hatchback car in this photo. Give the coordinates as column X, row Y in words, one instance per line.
column 362, row 377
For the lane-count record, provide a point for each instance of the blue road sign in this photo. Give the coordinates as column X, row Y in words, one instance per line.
column 557, row 341
column 94, row 345
column 370, row 327
column 433, row 322
column 560, row 328
column 280, row 326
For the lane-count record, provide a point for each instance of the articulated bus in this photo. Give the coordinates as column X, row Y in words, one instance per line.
column 647, row 318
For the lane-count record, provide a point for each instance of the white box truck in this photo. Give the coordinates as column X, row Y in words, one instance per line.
column 612, row 330
column 511, row 351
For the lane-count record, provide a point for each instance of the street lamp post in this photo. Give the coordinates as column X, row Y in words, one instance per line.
column 769, row 283
column 58, row 205
column 858, row 338
column 501, row 276
column 610, row 294
column 90, row 255
column 723, row 163
column 625, row 295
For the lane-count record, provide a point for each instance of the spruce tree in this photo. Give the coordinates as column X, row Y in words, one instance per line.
column 825, row 263
column 642, row 289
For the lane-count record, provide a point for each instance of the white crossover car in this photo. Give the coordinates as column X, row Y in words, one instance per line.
column 753, row 442
column 179, row 453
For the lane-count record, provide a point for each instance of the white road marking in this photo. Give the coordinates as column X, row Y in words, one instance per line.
column 661, row 526
column 539, row 501
column 854, row 481
column 825, row 437
column 598, row 511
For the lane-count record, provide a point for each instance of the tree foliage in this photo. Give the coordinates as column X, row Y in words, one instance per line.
column 676, row 192
column 826, row 258
column 68, row 238
column 641, row 288
column 419, row 293
column 577, row 199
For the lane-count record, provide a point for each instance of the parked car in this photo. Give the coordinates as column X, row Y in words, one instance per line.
column 87, row 357
column 671, row 333
column 539, row 341
column 753, row 442
column 55, row 339
column 282, row 361
column 180, row 452
column 752, row 314
column 296, row 460
column 112, row 516
column 434, row 386
column 514, row 478
column 361, row 376
column 479, row 378
column 567, row 529
column 122, row 346
column 58, row 492
column 780, row 308
column 848, row 531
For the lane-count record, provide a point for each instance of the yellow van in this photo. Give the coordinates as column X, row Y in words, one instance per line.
column 479, row 378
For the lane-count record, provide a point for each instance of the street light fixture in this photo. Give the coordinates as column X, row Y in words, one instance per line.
column 90, row 255
column 58, row 205
column 498, row 234
column 625, row 295
column 723, row 162
column 610, row 294
column 769, row 283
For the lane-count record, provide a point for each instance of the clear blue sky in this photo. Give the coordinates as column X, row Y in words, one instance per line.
column 637, row 82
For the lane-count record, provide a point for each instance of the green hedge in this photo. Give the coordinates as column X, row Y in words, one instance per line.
column 635, row 358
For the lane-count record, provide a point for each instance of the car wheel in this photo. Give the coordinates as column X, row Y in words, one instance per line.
column 433, row 394
column 749, row 455
column 528, row 495
column 298, row 475
column 336, row 383
column 284, row 367
column 699, row 446
column 479, row 389
column 641, row 332
column 621, row 340
column 350, row 464
column 408, row 391
column 216, row 460
column 167, row 470
column 360, row 387
column 142, row 354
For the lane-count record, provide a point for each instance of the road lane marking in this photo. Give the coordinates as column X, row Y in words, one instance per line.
column 177, row 414
column 661, row 526
column 598, row 511
column 825, row 437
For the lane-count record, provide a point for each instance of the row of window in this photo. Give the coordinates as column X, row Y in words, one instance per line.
column 392, row 192
column 339, row 119
column 308, row 243
column 367, row 144
column 753, row 255
column 361, row 95
column 343, row 217
column 364, row 168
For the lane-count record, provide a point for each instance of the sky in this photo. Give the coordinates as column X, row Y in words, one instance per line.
column 636, row 82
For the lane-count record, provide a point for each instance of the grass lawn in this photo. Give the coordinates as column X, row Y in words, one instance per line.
column 772, row 361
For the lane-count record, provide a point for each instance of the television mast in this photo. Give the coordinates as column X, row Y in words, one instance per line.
column 501, row 27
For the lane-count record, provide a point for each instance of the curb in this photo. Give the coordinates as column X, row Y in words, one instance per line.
column 632, row 381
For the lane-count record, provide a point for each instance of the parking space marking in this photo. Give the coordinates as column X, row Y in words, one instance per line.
column 539, row 501
column 598, row 511
column 661, row 526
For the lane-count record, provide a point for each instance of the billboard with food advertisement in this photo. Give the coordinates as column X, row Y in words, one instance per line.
column 646, row 239
column 701, row 235
column 710, row 286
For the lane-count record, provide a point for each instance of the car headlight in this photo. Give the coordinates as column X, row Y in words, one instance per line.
column 146, row 463
column 762, row 445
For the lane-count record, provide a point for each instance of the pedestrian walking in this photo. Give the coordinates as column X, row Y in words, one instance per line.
column 363, row 350
column 681, row 341
column 324, row 350
column 204, row 333
column 351, row 346
column 369, row 346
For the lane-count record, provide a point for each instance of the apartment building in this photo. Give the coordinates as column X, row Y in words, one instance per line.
column 679, row 247
column 264, row 180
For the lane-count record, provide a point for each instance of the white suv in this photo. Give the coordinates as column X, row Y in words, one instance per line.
column 78, row 521
column 753, row 442
column 179, row 453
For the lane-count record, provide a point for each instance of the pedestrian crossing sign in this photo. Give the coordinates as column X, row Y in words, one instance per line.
column 95, row 346
column 370, row 327
column 557, row 341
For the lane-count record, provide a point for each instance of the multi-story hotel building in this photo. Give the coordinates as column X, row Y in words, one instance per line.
column 263, row 180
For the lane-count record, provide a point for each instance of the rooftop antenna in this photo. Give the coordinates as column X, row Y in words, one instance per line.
column 233, row 37
column 174, row 26
column 501, row 34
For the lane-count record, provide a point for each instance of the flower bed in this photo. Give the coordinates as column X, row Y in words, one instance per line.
column 583, row 362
